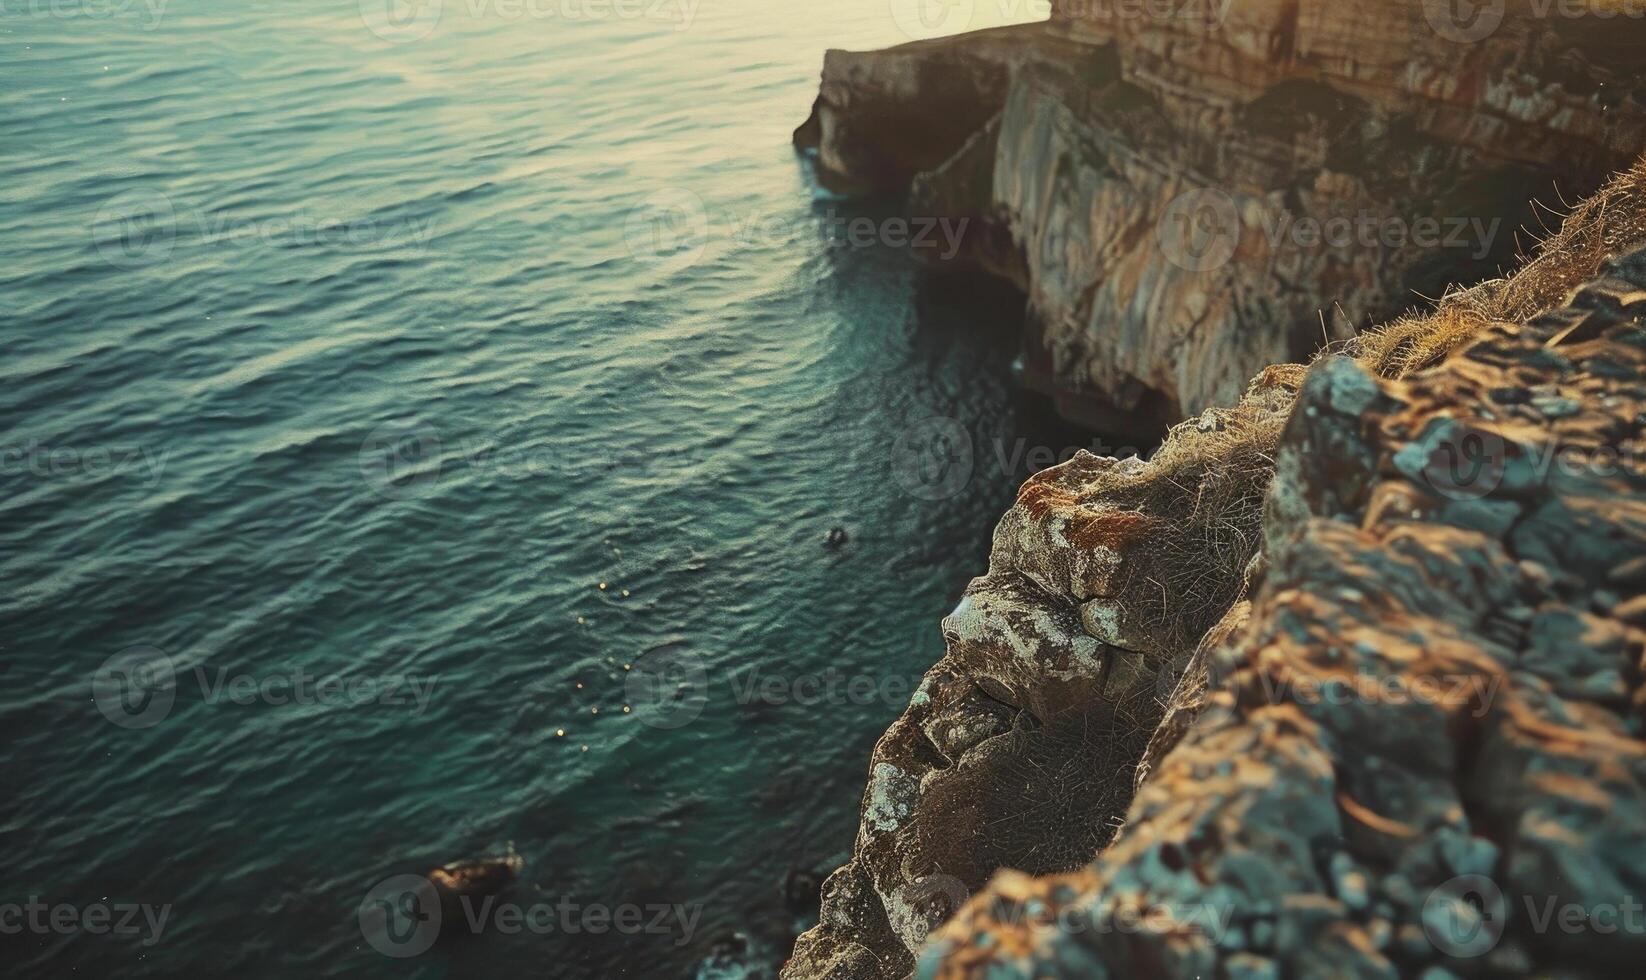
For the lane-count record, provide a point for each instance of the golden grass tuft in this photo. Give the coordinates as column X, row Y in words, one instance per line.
column 1611, row 221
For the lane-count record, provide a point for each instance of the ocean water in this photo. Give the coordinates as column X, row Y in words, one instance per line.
column 419, row 426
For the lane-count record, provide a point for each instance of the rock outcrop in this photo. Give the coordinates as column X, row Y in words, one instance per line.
column 1392, row 610
column 1420, row 749
column 1190, row 191
column 1018, row 747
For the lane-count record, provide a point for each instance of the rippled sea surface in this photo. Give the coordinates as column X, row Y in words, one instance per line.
column 341, row 368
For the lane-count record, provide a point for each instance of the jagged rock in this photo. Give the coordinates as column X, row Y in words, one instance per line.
column 1422, row 745
column 992, row 764
column 1183, row 189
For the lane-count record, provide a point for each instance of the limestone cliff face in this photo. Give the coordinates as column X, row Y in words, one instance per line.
column 1188, row 198
column 1393, row 610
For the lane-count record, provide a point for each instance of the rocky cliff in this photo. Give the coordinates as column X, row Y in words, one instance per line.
column 1416, row 746
column 1190, row 191
column 1367, row 641
column 1393, row 607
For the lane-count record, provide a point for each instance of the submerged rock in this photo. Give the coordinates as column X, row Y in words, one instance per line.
column 480, row 876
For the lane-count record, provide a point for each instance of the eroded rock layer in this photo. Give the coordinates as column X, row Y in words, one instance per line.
column 1190, row 191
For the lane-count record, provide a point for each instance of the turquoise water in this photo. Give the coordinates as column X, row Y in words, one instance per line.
column 370, row 358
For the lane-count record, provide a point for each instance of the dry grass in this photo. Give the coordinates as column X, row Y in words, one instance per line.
column 1213, row 487
column 1611, row 221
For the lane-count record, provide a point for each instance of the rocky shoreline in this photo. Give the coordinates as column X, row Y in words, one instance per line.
column 1367, row 641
